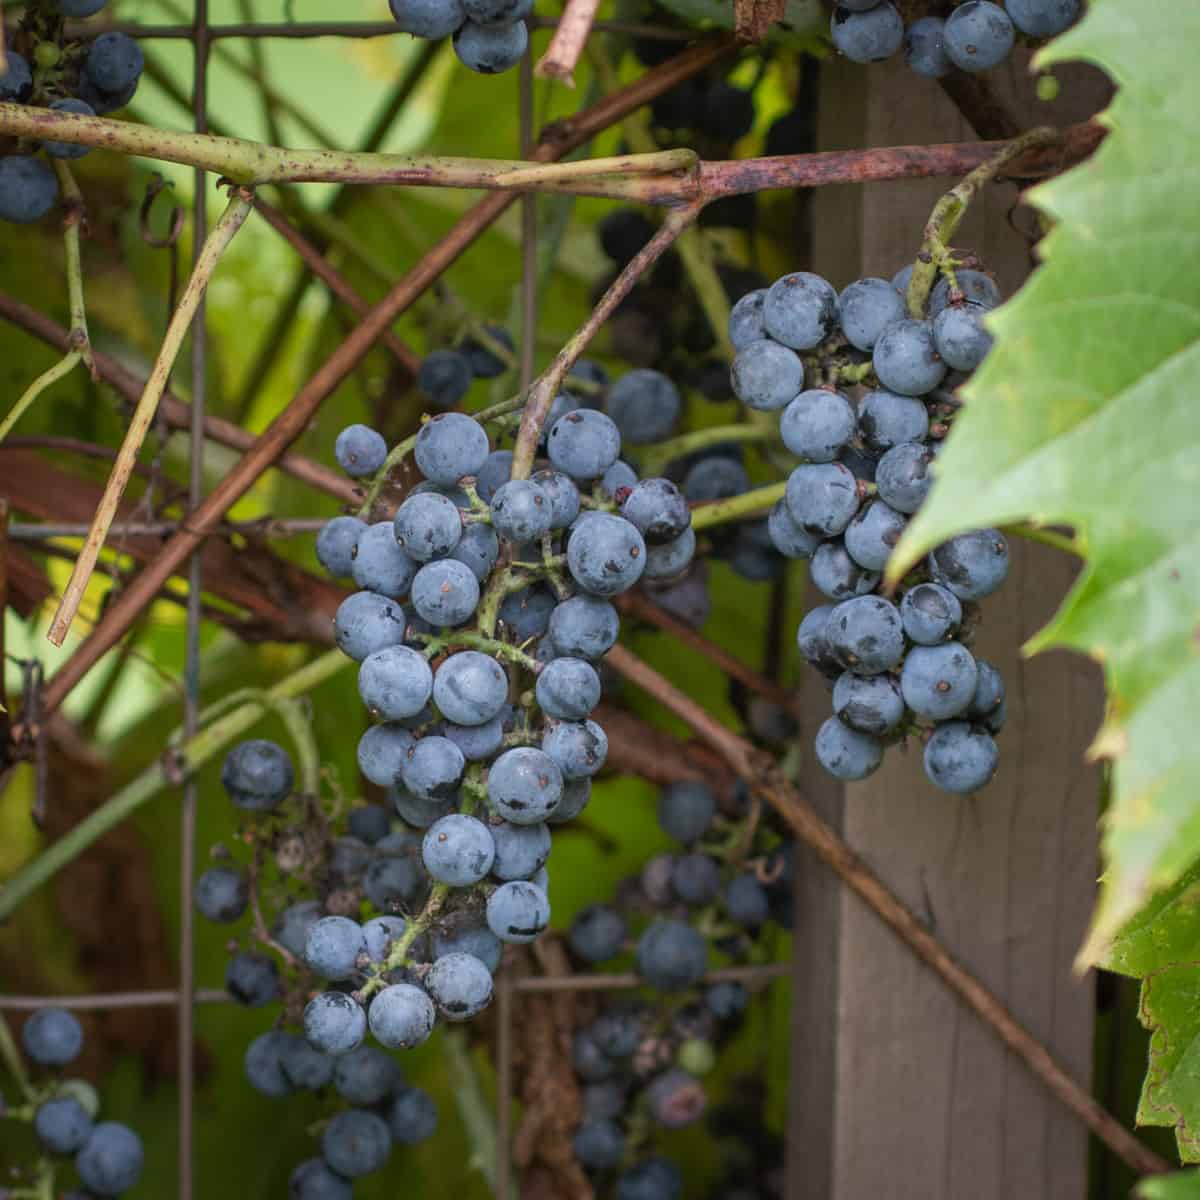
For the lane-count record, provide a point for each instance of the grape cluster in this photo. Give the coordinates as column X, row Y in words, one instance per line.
column 90, row 79
column 895, row 666
column 640, row 1064
column 107, row 1155
column 976, row 36
column 489, row 36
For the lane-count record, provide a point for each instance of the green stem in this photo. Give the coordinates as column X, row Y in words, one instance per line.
column 701, row 439
column 73, row 199
column 191, row 755
column 737, row 508
column 295, row 719
column 479, row 641
column 1047, row 537
column 473, row 1107
column 11, row 1057
column 415, row 926
column 46, row 379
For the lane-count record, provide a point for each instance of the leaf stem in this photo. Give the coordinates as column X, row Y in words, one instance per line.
column 46, row 379
column 1047, row 537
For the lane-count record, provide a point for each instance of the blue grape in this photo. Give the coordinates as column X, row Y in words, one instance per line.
column 222, row 894
column 715, row 478
column 579, row 748
column 257, row 774
column 584, row 444
column 67, row 150
column 939, row 681
column 252, row 979
column 105, row 101
column 906, row 360
column 726, row 1000
column 382, row 751
column 434, row 768
column 420, row 813
column 367, row 622
column 644, row 405
column 971, row 565
column 973, row 286
column 836, row 575
column 789, row 538
column 575, row 797
column 746, row 319
column 978, row 36
column 696, row 878
column 817, row 424
column 584, row 627
column 754, row 556
column 263, row 1064
column 930, row 613
column 524, row 785
column 477, row 742
column 846, row 753
column 670, row 559
column 746, row 901
column 28, row 189
column 521, row 511
column 378, row 935
column 478, row 549
column 497, row 469
column 517, row 912
column 401, row 1016
column 988, row 702
column 603, row 1100
column 395, row 682
column 671, row 955
column 865, row 635
column 445, row 377
column 356, row 1142
column 490, row 49
column 686, row 809
column 960, row 337
column 866, row 308
column 960, row 757
column 904, row 476
column 766, row 376
column 428, row 526
column 334, row 1022
column 336, row 543
column 313, row 1180
column 412, row 1117
column 903, row 278
column 886, row 420
column 813, row 641
column 348, row 859
column 618, row 481
column 925, row 48
column 1042, row 18
column 360, row 450
column 605, row 554
column 470, row 688
column 475, row 940
column 445, row 592
column 867, row 37
column 111, row 1159
column 380, row 565
column 654, row 1179
column 432, row 19
column 114, row 62
column 458, row 850
column 599, row 1145
column 526, row 613
column 61, row 1124
column 333, row 946
column 568, row 689
column 597, row 933
column 306, row 1069
column 521, row 850
column 290, row 928
column 872, row 536
column 658, row 510
column 449, row 447
column 16, row 81
column 563, row 403
column 800, row 310
column 687, row 598
column 394, row 880
column 675, row 1098
column 562, row 494
column 822, row 497
column 461, row 986
column 370, row 822
column 868, row 703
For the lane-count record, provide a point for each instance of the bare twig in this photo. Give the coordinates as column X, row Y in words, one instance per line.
column 570, row 37
column 761, row 773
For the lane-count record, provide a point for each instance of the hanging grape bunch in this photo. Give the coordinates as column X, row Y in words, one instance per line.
column 975, row 36
column 44, row 70
column 489, row 36
column 896, row 665
column 107, row 1156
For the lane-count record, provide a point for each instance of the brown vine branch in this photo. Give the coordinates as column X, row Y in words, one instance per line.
column 760, row 772
column 557, row 140
column 566, row 46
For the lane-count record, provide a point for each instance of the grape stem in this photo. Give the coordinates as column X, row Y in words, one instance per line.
column 738, row 508
column 701, row 439
column 464, row 639
column 11, row 1058
column 45, row 380
column 72, row 220
column 1047, row 537
column 472, row 1104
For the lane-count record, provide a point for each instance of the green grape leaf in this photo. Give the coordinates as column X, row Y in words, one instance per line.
column 1084, row 414
column 1182, row 1185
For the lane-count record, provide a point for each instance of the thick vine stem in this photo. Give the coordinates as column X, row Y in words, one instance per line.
column 948, row 213
column 546, row 386
column 169, row 771
column 231, row 220
column 760, row 772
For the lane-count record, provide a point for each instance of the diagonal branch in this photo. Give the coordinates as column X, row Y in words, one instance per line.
column 566, row 46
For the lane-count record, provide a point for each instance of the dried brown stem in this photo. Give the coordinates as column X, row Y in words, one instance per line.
column 566, row 46
column 761, row 773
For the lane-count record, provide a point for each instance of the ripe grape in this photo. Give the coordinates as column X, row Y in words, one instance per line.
column 865, row 635
column 938, row 681
column 584, row 444
column 568, row 688
column 671, row 955
column 356, row 1142
column 445, row 377
column 461, row 986
column 903, row 476
column 395, row 682
column 670, row 559
column 222, row 894
column 867, row 37
column 925, row 48
column 746, row 901
column 583, row 627
column 886, row 420
column 906, row 360
column 458, row 850
column 817, row 424
column 974, row 286
column 336, row 544
column 715, row 478
column 524, row 785
column 445, row 592
column 931, row 613
column 28, row 189
column 332, row 947
column 412, row 1117
column 401, row 1016
column 16, row 81
column 746, row 319
column 836, row 575
column 517, row 912
column 360, row 450
column 367, row 622
column 597, row 933
column 110, row 1161
column 258, row 775
column 866, row 308
column 868, row 703
column 960, row 337
column 978, row 36
column 432, row 19
column 433, row 769
column 846, row 753
column 766, row 376
column 313, row 1180
column 578, row 748
column 971, row 565
column 1042, row 18
column 521, row 850
column 62, row 1125
column 873, row 534
column 252, row 979
column 789, row 538
column 800, row 310
column 822, row 497
column 114, row 62
column 428, row 526
column 960, row 757
column 599, row 1144
column 645, row 406
column 470, row 688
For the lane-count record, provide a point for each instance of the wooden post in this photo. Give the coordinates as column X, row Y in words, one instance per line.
column 898, row 1092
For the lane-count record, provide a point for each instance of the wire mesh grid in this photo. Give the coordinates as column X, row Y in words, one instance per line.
column 188, row 995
